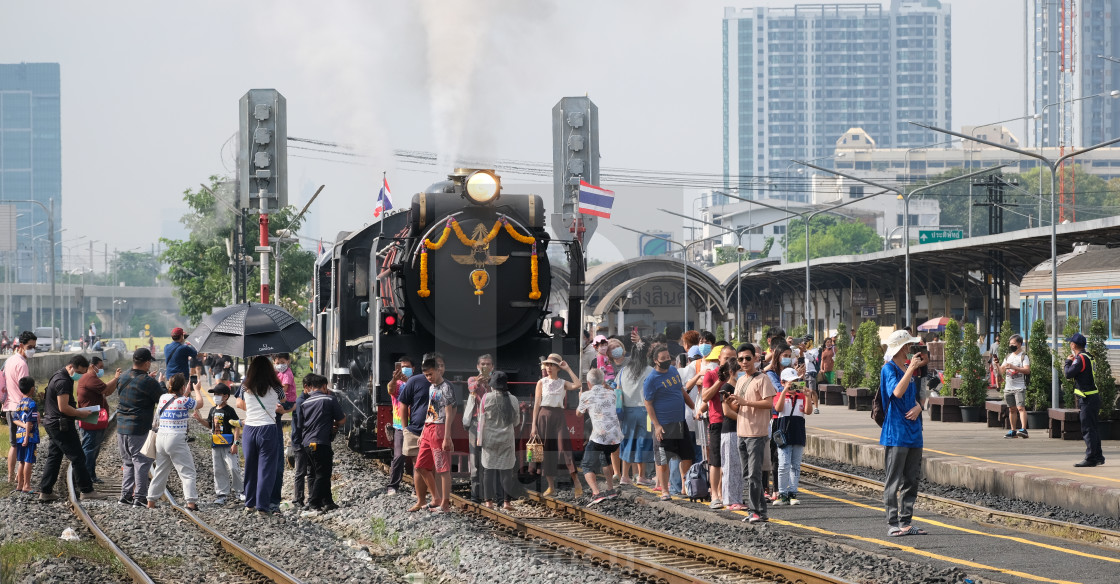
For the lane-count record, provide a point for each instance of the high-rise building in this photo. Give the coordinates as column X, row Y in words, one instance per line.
column 31, row 161
column 1072, row 58
column 796, row 78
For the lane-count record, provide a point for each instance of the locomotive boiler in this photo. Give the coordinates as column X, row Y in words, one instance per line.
column 466, row 270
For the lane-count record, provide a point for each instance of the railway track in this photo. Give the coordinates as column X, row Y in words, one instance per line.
column 1051, row 527
column 242, row 561
column 633, row 550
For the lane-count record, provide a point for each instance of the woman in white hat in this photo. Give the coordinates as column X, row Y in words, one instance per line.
column 548, row 418
column 792, row 405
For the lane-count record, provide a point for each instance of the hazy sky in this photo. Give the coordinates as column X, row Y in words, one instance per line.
column 150, row 90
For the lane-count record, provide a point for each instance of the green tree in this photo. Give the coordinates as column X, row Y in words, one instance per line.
column 1038, row 390
column 1073, row 325
column 854, row 364
column 952, row 349
column 1102, row 371
column 843, row 343
column 799, row 331
column 1004, row 350
column 831, row 236
column 974, row 382
column 199, row 267
column 726, row 254
column 135, row 268
column 764, row 332
column 872, row 352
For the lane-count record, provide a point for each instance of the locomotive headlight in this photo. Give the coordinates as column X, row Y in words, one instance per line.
column 483, row 187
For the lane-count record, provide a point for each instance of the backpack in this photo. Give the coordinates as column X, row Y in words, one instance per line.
column 696, row 482
column 878, row 407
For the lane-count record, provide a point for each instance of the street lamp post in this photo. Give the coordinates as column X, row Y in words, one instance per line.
column 905, row 213
column 1053, row 164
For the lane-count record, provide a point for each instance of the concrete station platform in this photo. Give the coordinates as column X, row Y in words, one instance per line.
column 977, row 457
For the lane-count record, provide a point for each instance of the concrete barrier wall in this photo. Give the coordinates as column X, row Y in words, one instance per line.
column 948, row 470
column 42, row 365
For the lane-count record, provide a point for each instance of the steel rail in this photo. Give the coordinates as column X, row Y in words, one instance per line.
column 134, row 570
column 1053, row 527
column 715, row 556
column 254, row 561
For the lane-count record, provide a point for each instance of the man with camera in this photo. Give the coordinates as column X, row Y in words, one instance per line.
column 902, row 431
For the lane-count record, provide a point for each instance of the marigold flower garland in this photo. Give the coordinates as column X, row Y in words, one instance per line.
column 452, row 224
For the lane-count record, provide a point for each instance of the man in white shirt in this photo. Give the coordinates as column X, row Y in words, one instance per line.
column 1015, row 368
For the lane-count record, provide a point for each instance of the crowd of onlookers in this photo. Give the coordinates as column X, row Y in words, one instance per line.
column 655, row 406
column 154, row 413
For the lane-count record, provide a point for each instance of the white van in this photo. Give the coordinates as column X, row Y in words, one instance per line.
column 45, row 340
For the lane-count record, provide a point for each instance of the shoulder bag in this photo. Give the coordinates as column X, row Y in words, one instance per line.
column 780, row 435
column 149, row 447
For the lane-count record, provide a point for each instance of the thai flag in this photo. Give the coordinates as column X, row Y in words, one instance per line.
column 595, row 200
column 384, row 199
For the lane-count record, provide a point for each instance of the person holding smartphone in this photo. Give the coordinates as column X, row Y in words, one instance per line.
column 792, row 405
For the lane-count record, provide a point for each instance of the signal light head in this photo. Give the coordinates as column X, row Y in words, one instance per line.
column 390, row 320
column 558, row 325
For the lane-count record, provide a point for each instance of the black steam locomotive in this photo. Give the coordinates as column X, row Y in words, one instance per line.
column 465, row 271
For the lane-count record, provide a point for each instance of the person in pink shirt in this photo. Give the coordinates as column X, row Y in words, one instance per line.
column 283, row 364
column 15, row 368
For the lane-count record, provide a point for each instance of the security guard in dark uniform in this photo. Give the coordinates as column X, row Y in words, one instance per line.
column 1079, row 368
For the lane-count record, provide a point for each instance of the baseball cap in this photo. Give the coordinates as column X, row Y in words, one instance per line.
column 790, row 374
column 599, row 339
column 694, row 352
column 1077, row 339
column 220, row 389
column 177, row 332
column 142, row 355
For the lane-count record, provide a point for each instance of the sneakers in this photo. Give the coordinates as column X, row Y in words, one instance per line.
column 793, row 500
column 140, row 502
column 47, row 497
column 241, row 496
column 616, row 478
column 624, row 481
column 716, row 504
column 125, row 500
column 782, row 500
column 755, row 518
column 612, row 494
column 1023, row 434
column 1011, row 434
column 599, row 498
column 390, row 491
column 92, row 496
column 329, row 507
column 220, row 500
column 736, row 507
column 643, row 482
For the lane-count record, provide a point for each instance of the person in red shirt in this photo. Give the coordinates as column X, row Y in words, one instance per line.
column 92, row 391
column 713, row 403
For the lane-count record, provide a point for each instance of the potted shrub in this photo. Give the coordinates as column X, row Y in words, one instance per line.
column 974, row 379
column 952, row 354
column 1038, row 388
column 853, row 361
column 872, row 351
column 1003, row 351
column 843, row 343
column 1102, row 377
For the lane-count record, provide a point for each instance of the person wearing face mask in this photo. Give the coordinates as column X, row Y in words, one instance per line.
column 15, row 368
column 478, row 385
column 92, row 391
column 612, row 360
column 604, row 356
column 59, row 414
column 225, row 431
column 401, row 463
column 281, row 362
column 665, row 398
column 781, row 358
column 1015, row 367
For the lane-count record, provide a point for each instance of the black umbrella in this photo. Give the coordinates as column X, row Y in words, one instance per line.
column 248, row 330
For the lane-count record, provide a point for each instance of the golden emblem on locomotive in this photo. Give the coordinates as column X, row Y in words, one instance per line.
column 479, row 257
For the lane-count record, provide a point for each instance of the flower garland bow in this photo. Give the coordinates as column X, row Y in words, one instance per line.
column 453, row 225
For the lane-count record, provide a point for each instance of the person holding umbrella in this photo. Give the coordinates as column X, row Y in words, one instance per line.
column 262, row 398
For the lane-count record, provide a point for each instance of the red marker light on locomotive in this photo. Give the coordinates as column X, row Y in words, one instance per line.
column 558, row 326
column 389, row 320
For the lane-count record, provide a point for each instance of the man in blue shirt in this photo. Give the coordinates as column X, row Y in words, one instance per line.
column 413, row 399
column 665, row 399
column 902, row 432
column 178, row 354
